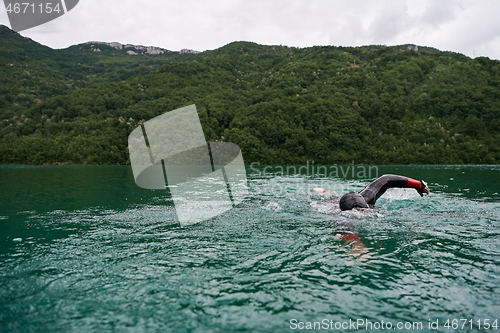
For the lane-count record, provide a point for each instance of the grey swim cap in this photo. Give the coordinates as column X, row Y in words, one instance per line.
column 351, row 200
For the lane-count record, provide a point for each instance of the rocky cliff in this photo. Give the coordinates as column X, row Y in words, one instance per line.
column 134, row 49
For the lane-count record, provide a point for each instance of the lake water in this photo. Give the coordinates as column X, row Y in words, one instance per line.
column 83, row 249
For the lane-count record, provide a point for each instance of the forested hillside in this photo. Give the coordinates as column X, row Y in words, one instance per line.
column 282, row 105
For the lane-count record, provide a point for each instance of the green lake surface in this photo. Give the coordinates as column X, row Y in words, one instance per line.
column 83, row 249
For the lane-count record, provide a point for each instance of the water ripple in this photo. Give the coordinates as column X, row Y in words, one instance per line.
column 274, row 258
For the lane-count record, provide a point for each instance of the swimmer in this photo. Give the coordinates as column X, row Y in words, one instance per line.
column 369, row 195
column 365, row 200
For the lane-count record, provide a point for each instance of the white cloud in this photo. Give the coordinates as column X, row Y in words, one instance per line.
column 457, row 25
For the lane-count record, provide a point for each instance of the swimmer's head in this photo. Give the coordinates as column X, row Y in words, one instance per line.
column 352, row 200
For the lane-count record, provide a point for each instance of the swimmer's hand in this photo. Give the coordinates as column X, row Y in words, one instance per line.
column 319, row 190
column 424, row 189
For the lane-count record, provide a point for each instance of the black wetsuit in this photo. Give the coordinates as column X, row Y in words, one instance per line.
column 367, row 198
column 369, row 195
column 378, row 187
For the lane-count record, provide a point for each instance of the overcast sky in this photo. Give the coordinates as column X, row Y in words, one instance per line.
column 471, row 27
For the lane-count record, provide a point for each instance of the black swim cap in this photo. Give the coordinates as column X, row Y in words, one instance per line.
column 351, row 200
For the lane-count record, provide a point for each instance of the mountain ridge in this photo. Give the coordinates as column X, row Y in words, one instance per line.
column 139, row 49
column 282, row 105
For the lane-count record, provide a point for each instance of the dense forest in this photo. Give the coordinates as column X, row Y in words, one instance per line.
column 281, row 105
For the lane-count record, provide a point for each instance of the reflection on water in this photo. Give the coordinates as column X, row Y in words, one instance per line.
column 84, row 249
